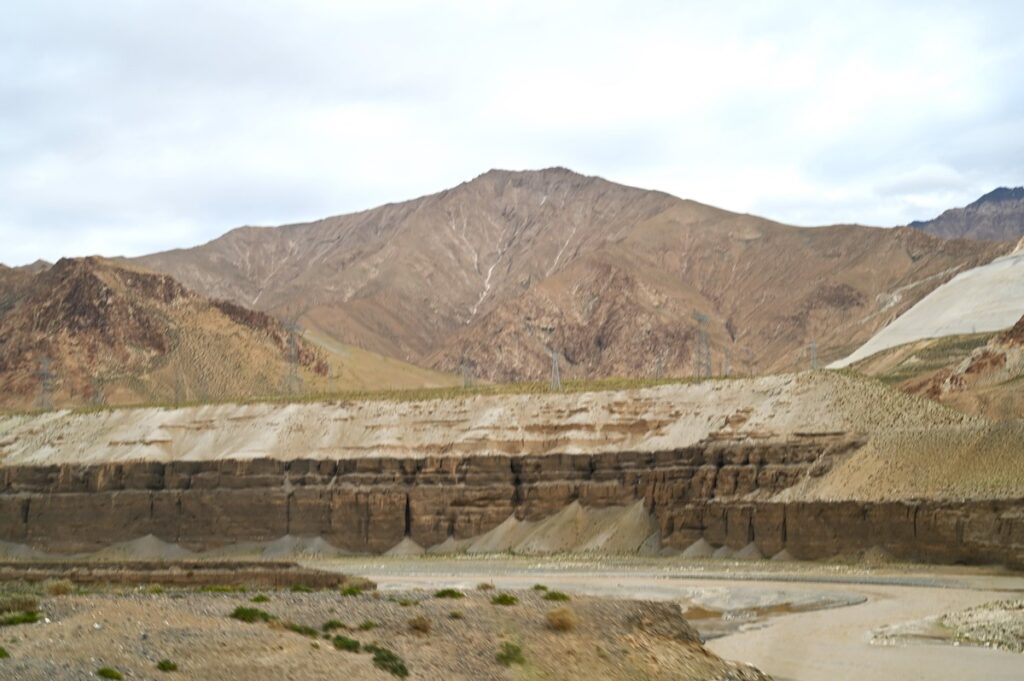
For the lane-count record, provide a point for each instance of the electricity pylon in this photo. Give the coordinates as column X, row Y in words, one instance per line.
column 702, row 358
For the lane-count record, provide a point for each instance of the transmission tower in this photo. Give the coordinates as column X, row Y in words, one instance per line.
column 293, row 382
column 556, row 377
column 98, row 398
column 702, row 357
column 467, row 373
column 727, row 363
column 46, row 380
column 812, row 350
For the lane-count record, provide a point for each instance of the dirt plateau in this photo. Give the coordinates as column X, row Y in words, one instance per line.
column 741, row 463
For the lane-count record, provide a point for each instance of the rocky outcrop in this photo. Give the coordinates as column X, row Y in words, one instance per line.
column 717, row 491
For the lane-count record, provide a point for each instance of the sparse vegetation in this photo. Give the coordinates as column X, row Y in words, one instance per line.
column 109, row 673
column 251, row 615
column 59, row 587
column 260, row 598
column 504, row 599
column 3, row 653
column 331, row 625
column 28, row 617
column 166, row 666
column 485, row 586
column 420, row 625
column 539, row 587
column 367, row 625
column 455, row 615
column 510, row 654
column 155, row 589
column 18, row 603
column 301, row 589
column 556, row 596
column 561, row 619
column 449, row 593
column 302, row 629
column 388, row 660
column 351, row 590
column 223, row 589
column 349, row 645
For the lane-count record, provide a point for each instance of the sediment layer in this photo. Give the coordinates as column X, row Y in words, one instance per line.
column 719, row 491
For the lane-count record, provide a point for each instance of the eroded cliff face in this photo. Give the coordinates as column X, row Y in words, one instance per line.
column 719, row 491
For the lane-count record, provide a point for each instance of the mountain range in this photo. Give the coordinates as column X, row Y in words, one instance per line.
column 996, row 216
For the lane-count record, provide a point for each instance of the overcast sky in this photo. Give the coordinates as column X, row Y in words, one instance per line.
column 133, row 126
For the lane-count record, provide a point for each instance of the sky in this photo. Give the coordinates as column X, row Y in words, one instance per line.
column 132, row 126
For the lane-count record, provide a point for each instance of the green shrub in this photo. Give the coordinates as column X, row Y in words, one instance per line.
column 109, row 673
column 155, row 589
column 366, row 625
column 351, row 591
column 556, row 596
column 166, row 666
column 388, row 661
column 485, row 586
column 18, row 603
column 331, row 625
column 250, row 615
column 59, row 587
column 504, row 599
column 3, row 653
column 449, row 593
column 539, row 587
column 302, row 629
column 260, row 598
column 455, row 615
column 419, row 625
column 301, row 589
column 345, row 643
column 30, row 617
column 510, row 654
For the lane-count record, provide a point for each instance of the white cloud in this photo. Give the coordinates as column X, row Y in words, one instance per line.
column 127, row 127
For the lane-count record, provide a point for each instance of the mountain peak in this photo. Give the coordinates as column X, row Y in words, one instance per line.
column 1001, row 194
column 996, row 216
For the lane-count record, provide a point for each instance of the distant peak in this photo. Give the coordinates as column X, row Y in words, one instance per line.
column 1001, row 194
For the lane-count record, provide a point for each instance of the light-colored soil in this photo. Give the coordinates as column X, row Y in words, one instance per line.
column 132, row 632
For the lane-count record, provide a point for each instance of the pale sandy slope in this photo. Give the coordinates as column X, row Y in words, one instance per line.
column 986, row 298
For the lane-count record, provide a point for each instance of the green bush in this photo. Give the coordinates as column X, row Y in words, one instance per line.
column 510, row 654
column 250, row 615
column 419, row 625
column 109, row 673
column 539, row 587
column 331, row 625
column 3, row 653
column 351, row 591
column 504, row 599
column 556, row 596
column 485, row 586
column 366, row 625
column 30, row 617
column 260, row 598
column 345, row 643
column 449, row 593
column 301, row 589
column 302, row 629
column 388, row 661
column 166, row 666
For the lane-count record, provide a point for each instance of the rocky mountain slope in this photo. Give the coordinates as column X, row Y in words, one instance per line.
column 996, row 216
column 497, row 272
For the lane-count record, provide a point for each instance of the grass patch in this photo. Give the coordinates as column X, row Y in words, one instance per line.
column 556, row 596
column 3, row 653
column 456, row 615
column 59, row 587
column 222, row 589
column 419, row 625
column 109, row 673
column 155, row 589
column 367, row 625
column 561, row 619
column 260, row 598
column 250, row 615
column 389, row 661
column 349, row 645
column 510, row 654
column 331, row 625
column 301, row 589
column 18, row 603
column 352, row 590
column 302, row 629
column 30, row 617
column 166, row 666
column 449, row 593
column 485, row 586
column 504, row 599
column 539, row 587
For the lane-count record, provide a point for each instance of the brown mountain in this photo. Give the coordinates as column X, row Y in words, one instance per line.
column 498, row 269
column 116, row 335
column 996, row 216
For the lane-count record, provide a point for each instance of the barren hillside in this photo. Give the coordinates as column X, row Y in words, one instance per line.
column 499, row 270
column 996, row 216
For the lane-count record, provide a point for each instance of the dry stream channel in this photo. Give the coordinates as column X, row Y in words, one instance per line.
column 795, row 621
